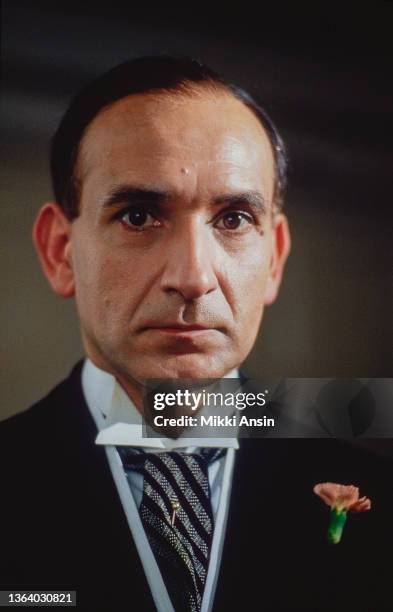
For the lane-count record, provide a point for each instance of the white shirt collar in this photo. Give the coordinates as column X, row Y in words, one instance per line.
column 118, row 421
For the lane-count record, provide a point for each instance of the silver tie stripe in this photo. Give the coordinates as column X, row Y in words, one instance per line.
column 177, row 516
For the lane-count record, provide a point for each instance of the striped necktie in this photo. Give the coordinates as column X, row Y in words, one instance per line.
column 177, row 517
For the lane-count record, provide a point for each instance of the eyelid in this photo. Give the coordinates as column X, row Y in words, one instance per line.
column 131, row 207
column 123, row 210
column 236, row 210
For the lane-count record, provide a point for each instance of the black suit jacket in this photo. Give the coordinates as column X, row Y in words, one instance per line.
column 63, row 527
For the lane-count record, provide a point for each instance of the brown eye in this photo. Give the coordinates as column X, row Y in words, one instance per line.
column 138, row 218
column 234, row 220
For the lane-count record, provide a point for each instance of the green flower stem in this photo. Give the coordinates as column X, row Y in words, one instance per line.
column 337, row 523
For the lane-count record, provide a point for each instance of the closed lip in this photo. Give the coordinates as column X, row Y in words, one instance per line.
column 180, row 328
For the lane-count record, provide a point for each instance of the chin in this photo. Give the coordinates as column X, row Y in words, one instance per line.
column 190, row 366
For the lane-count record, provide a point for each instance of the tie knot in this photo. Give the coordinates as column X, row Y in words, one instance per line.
column 135, row 458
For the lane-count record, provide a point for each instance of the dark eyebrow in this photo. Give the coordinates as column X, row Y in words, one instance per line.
column 254, row 199
column 127, row 194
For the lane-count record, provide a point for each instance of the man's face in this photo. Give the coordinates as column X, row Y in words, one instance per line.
column 174, row 252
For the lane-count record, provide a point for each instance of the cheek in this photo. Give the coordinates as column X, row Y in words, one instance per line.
column 249, row 285
column 96, row 276
column 252, row 300
column 110, row 284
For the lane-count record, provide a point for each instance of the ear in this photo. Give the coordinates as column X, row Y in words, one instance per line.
column 52, row 240
column 280, row 250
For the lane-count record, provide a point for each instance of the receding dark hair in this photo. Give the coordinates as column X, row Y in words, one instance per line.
column 139, row 76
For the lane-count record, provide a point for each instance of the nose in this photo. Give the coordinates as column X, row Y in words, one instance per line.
column 190, row 263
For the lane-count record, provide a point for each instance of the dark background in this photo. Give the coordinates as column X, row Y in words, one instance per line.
column 325, row 78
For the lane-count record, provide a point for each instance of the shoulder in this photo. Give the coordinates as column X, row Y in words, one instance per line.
column 26, row 428
column 50, row 442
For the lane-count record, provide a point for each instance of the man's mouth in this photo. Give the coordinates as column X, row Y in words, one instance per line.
column 182, row 329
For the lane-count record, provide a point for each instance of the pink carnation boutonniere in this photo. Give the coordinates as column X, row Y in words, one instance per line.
column 341, row 499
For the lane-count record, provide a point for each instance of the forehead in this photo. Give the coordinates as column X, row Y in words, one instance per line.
column 147, row 137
